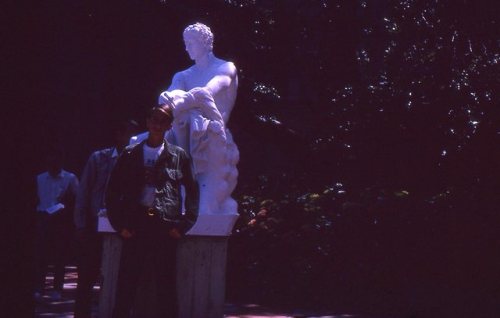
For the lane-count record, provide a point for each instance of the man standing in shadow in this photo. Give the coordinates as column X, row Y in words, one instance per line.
column 56, row 189
column 89, row 205
column 145, row 207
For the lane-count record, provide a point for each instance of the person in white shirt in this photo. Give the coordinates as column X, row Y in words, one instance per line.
column 144, row 205
column 56, row 189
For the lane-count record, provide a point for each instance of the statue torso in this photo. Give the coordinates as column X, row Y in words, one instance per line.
column 224, row 98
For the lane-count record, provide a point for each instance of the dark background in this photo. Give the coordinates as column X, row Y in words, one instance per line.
column 368, row 131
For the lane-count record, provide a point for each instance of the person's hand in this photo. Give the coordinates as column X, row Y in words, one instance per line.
column 166, row 98
column 174, row 233
column 126, row 234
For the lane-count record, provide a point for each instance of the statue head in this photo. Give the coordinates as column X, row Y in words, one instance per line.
column 200, row 35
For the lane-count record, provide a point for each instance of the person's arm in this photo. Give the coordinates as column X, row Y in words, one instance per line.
column 83, row 194
column 116, row 211
column 67, row 198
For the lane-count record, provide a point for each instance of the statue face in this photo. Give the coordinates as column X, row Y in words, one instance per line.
column 194, row 45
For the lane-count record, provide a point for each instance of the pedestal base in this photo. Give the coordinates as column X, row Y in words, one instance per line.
column 201, row 270
column 145, row 303
column 201, row 276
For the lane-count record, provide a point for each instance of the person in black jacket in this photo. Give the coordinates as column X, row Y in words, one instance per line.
column 144, row 206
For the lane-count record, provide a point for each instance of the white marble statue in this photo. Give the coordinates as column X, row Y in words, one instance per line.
column 203, row 97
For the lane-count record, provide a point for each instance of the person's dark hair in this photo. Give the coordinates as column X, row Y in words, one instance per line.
column 54, row 158
column 166, row 109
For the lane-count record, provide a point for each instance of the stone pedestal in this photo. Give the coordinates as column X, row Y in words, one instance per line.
column 201, row 266
column 201, row 276
column 201, row 271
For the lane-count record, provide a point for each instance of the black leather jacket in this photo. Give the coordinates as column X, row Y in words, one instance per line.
column 127, row 180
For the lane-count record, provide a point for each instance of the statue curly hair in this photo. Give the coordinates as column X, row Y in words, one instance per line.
column 203, row 32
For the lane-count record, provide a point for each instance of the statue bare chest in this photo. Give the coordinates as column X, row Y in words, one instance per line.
column 197, row 80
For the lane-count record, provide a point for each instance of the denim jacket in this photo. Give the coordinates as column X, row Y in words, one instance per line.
column 171, row 171
column 90, row 194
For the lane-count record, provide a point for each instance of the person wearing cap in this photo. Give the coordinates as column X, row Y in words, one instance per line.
column 144, row 206
column 89, row 205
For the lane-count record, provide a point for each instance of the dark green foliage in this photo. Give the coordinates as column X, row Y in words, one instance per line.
column 372, row 127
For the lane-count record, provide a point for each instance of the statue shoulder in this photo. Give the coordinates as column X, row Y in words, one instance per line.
column 180, row 79
column 227, row 67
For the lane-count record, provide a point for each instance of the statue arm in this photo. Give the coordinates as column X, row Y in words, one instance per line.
column 175, row 90
column 177, row 82
column 198, row 97
column 225, row 77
